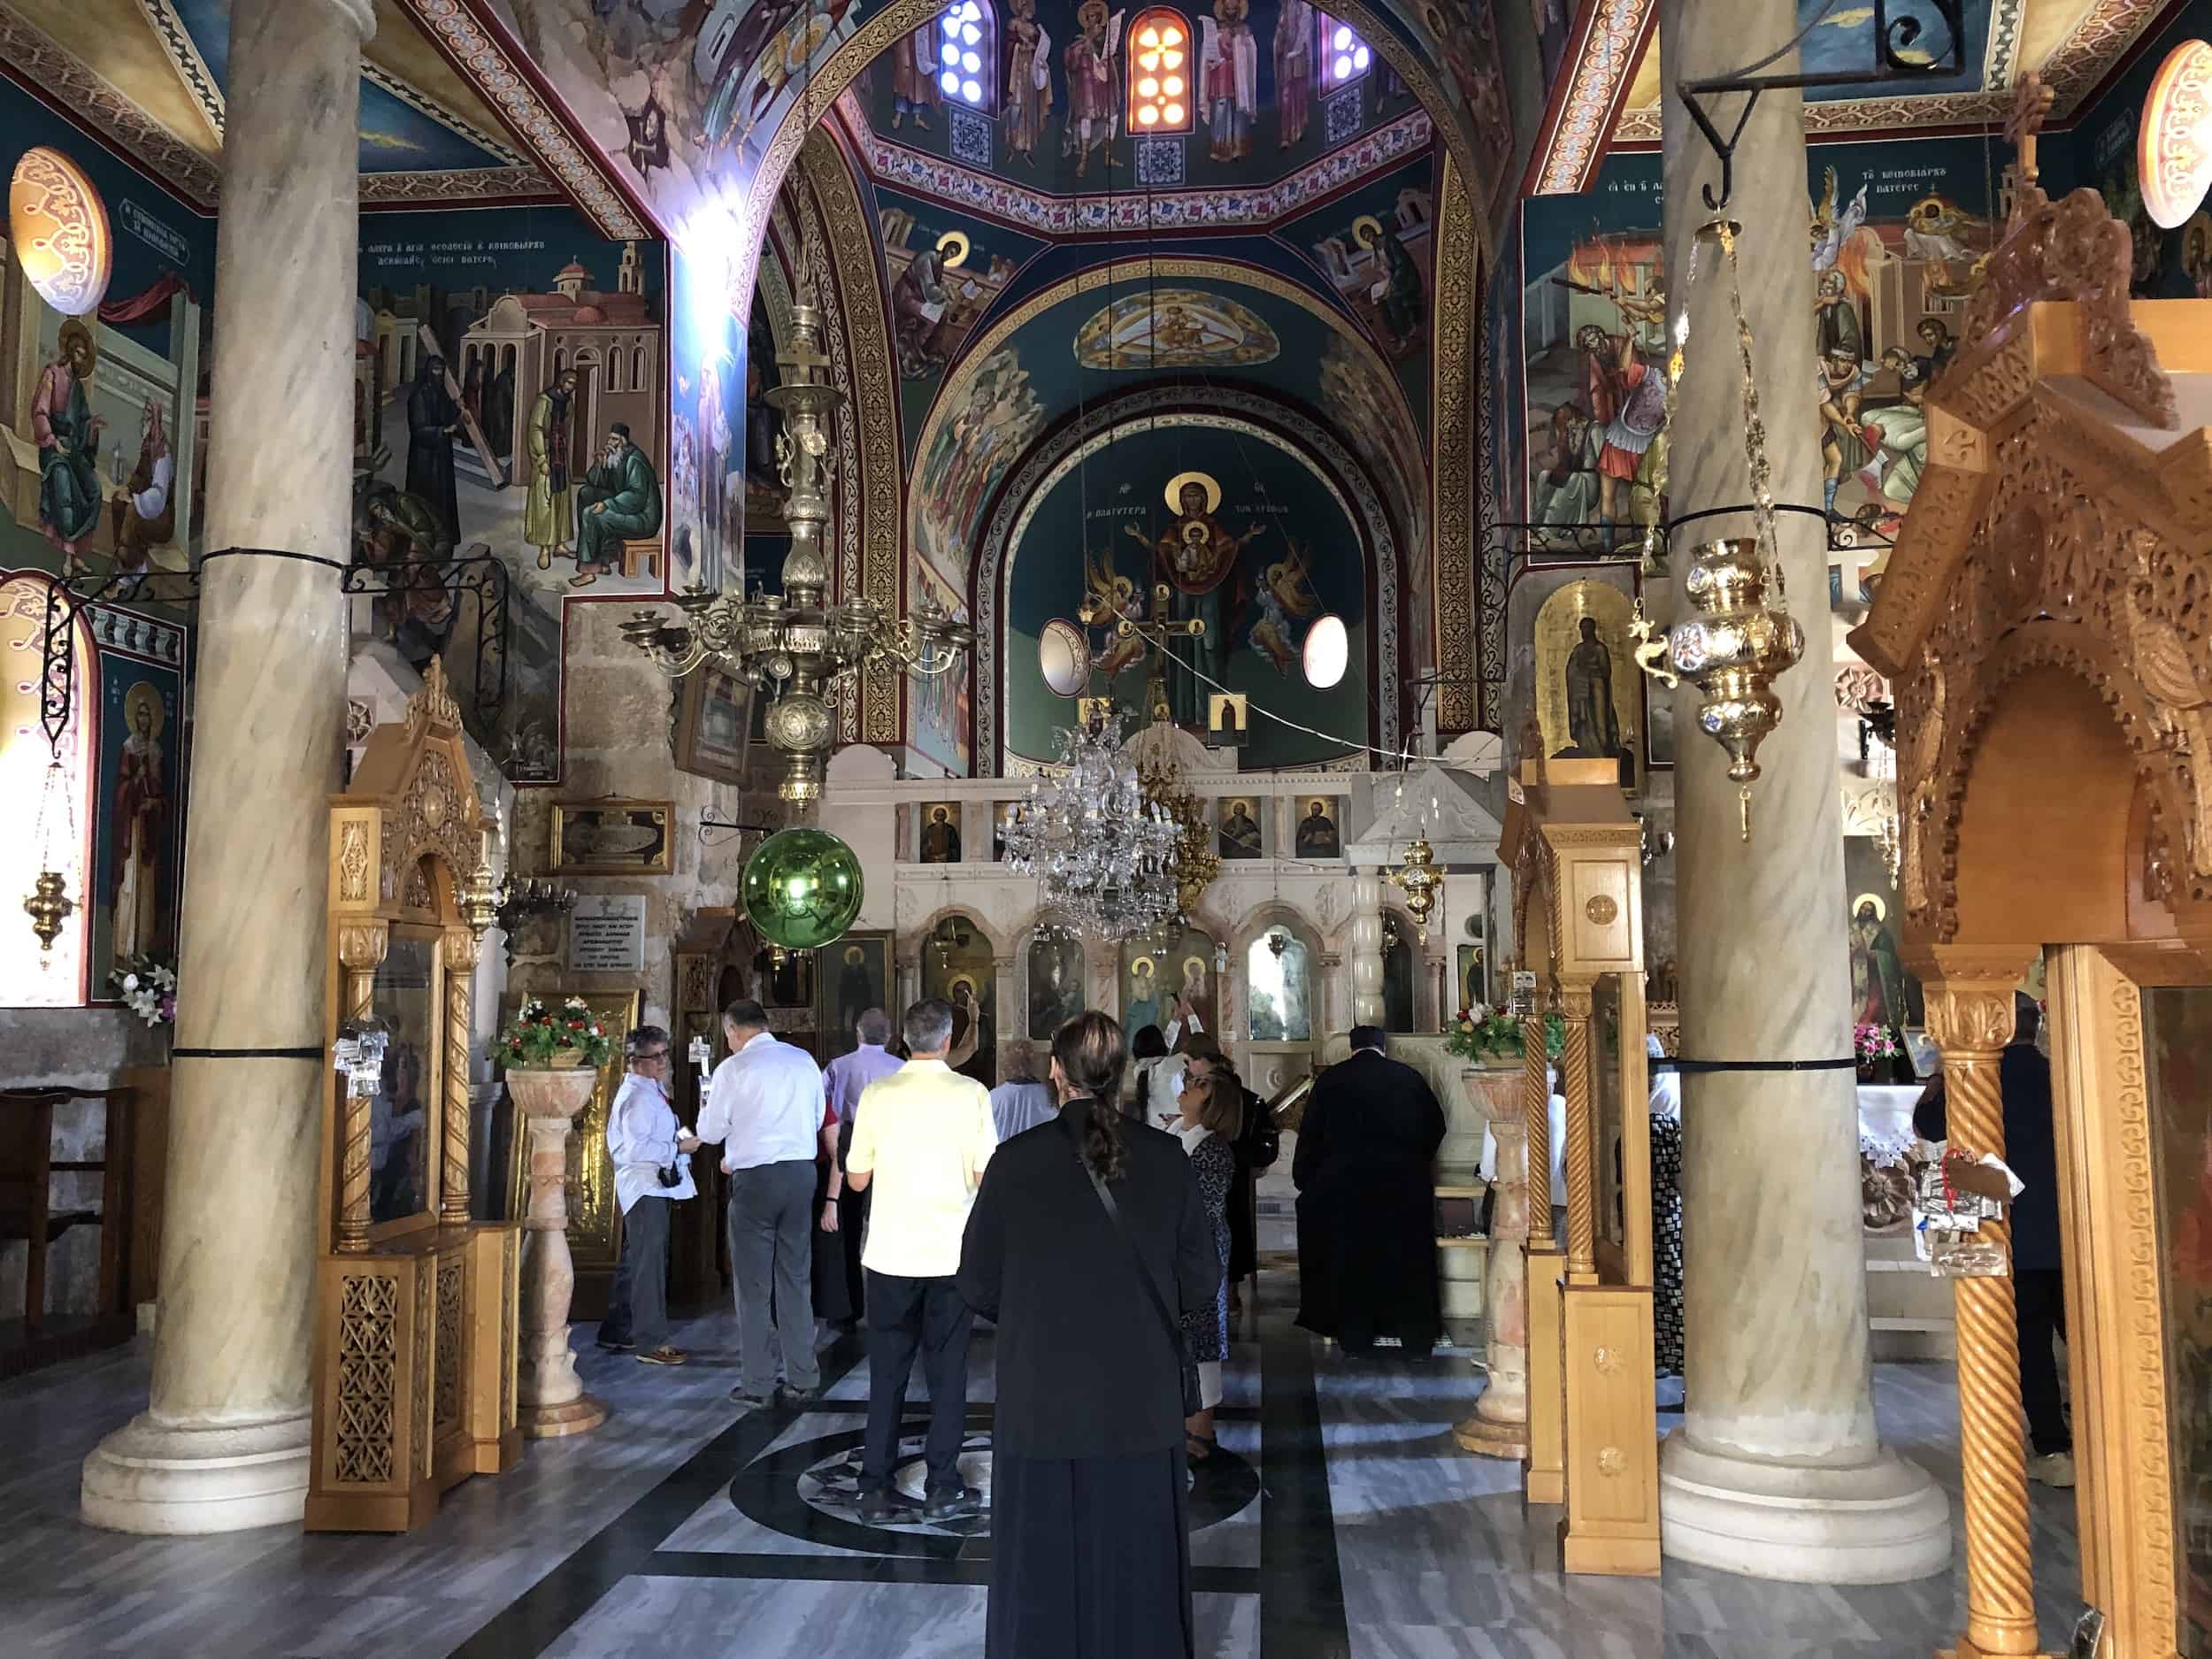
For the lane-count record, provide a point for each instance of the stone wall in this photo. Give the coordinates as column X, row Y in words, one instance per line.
column 618, row 742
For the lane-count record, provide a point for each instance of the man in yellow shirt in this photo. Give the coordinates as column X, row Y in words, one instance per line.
column 921, row 1138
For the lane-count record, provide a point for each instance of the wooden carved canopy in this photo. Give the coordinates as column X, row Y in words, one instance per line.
column 2062, row 535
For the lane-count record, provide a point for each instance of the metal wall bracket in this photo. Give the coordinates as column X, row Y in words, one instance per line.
column 1894, row 37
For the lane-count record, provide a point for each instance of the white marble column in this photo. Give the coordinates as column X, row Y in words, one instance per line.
column 223, row 1443
column 1367, row 946
column 1778, row 1471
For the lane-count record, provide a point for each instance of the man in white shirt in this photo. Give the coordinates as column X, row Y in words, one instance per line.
column 644, row 1139
column 921, row 1138
column 764, row 1110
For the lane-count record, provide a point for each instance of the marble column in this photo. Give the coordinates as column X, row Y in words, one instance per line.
column 1011, row 1018
column 1367, row 946
column 223, row 1443
column 1778, row 1471
column 1331, row 986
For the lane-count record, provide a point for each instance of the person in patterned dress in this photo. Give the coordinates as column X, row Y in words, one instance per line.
column 1212, row 1113
column 1666, row 1214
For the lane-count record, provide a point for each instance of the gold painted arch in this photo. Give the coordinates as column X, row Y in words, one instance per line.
column 953, row 392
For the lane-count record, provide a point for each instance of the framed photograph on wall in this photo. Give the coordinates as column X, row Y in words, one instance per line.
column 613, row 838
column 714, row 725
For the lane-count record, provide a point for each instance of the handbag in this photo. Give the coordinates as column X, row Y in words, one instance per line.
column 1194, row 1400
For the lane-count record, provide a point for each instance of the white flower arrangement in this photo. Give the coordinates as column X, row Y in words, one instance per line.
column 148, row 987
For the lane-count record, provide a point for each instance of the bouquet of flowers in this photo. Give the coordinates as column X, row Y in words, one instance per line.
column 1481, row 1032
column 539, row 1037
column 148, row 986
column 1874, row 1044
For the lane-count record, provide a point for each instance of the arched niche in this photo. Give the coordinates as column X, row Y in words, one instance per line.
column 1325, row 542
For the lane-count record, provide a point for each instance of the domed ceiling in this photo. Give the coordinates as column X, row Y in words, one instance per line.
column 1062, row 97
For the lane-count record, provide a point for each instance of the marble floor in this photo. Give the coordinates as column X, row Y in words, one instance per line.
column 1341, row 1523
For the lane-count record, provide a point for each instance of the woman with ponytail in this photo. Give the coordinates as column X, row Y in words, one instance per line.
column 1087, row 1244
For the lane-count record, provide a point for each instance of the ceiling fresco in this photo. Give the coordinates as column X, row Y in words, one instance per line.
column 1263, row 88
column 699, row 105
column 151, row 75
column 1027, row 371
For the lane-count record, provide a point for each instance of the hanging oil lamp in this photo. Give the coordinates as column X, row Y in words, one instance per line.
column 1420, row 880
column 50, row 905
column 1741, row 637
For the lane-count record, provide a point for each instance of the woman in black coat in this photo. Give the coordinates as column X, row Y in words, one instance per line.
column 1090, row 1536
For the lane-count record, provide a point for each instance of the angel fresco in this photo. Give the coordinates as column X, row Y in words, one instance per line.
column 1107, row 596
column 1285, row 591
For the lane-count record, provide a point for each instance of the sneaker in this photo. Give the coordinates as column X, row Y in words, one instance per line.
column 739, row 1396
column 875, row 1507
column 2057, row 1470
column 662, row 1356
column 953, row 1506
column 787, row 1395
column 616, row 1345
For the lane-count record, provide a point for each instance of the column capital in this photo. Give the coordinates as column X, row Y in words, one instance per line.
column 1971, row 1016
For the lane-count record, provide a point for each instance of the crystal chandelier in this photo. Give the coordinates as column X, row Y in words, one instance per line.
column 794, row 645
column 1102, row 854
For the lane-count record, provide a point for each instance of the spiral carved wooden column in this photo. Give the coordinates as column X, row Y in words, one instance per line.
column 1582, row 1257
column 1536, row 1114
column 460, row 986
column 361, row 947
column 1971, row 1021
column 1543, row 1470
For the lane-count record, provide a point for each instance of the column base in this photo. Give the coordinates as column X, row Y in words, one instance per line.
column 551, row 1422
column 167, row 1479
column 1882, row 1522
column 1484, row 1438
column 1968, row 1650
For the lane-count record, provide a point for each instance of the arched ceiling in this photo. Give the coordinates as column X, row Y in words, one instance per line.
column 152, row 76
column 1106, row 331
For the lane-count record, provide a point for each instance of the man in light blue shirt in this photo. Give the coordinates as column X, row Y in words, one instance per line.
column 843, row 1079
column 1021, row 1101
column 764, row 1108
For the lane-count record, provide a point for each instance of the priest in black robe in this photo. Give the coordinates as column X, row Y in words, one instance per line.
column 1366, row 1171
column 432, row 418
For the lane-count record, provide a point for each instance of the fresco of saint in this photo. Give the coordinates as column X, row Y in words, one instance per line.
column 1229, row 78
column 1195, row 555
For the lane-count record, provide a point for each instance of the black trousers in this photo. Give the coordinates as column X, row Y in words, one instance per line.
column 2039, row 1300
column 904, row 1314
column 637, row 1309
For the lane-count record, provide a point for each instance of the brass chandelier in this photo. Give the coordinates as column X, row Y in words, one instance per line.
column 795, row 646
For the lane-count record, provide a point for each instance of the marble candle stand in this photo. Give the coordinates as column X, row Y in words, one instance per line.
column 551, row 1398
column 1499, row 1425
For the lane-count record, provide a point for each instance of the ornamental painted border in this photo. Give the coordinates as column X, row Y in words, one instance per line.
column 1263, row 419
column 1609, row 57
column 488, row 67
column 949, row 182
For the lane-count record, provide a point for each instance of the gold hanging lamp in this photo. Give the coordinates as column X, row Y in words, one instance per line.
column 1741, row 637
